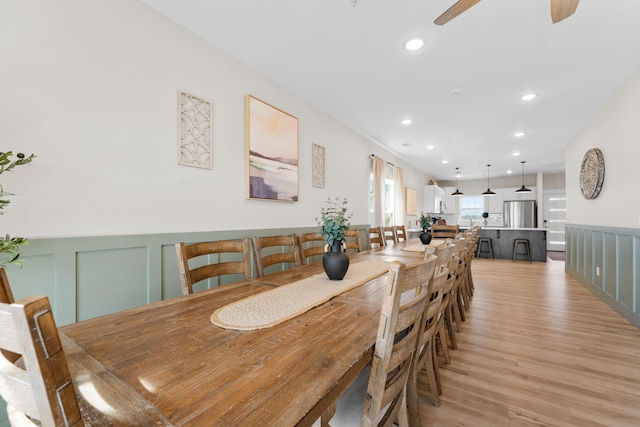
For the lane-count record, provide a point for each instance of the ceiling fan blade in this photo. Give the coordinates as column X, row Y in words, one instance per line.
column 455, row 10
column 561, row 9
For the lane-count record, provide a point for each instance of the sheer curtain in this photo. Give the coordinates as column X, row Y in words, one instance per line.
column 398, row 191
column 379, row 173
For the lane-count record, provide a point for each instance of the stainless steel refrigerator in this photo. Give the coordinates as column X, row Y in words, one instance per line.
column 520, row 214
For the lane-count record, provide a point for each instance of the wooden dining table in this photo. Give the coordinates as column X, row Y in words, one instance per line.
column 166, row 364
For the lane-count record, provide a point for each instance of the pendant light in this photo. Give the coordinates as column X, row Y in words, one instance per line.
column 488, row 192
column 523, row 189
column 457, row 192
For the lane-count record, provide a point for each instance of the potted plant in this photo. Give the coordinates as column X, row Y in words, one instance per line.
column 425, row 223
column 333, row 222
column 10, row 246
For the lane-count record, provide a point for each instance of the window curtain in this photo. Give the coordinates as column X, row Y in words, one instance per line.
column 379, row 172
column 398, row 191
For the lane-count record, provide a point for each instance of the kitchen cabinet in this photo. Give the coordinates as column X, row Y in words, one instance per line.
column 494, row 203
column 451, row 202
column 434, row 199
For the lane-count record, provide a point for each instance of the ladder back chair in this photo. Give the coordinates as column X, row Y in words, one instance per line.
column 425, row 361
column 385, row 399
column 310, row 245
column 352, row 240
column 401, row 233
column 376, row 237
column 389, row 234
column 43, row 390
column 233, row 257
column 444, row 231
column 272, row 250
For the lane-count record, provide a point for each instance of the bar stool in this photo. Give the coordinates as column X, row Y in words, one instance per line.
column 481, row 249
column 527, row 248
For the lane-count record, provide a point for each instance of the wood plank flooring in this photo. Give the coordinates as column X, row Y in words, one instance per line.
column 538, row 349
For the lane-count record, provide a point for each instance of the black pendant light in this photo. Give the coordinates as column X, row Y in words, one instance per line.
column 488, row 192
column 523, row 189
column 457, row 192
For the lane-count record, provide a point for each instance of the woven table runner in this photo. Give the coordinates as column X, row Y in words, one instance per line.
column 274, row 306
column 418, row 247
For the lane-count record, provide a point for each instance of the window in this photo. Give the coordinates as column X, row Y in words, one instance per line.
column 389, row 197
column 471, row 208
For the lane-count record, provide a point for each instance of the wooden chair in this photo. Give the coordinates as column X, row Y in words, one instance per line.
column 221, row 249
column 272, row 250
column 401, row 233
column 352, row 240
column 389, row 234
column 385, row 399
column 444, row 231
column 375, row 236
column 310, row 245
column 425, row 361
column 42, row 390
column 6, row 297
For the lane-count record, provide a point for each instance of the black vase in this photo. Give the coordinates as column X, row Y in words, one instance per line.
column 425, row 237
column 335, row 262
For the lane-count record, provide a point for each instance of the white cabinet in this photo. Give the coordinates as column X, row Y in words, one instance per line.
column 451, row 202
column 433, row 199
column 494, row 203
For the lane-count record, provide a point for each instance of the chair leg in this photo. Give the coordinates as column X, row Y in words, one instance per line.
column 448, row 318
column 455, row 311
column 427, row 364
column 442, row 340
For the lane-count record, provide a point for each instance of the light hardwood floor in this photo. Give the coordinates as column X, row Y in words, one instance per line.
column 538, row 349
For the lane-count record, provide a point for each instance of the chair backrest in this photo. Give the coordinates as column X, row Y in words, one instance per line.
column 352, row 240
column 401, row 233
column 375, row 236
column 43, row 389
column 444, row 254
column 310, row 245
column 389, row 236
column 6, row 296
column 273, row 250
column 226, row 263
column 444, row 231
column 396, row 341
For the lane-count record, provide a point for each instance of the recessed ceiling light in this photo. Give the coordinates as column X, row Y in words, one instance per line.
column 445, row 161
column 509, row 171
column 516, row 153
column 519, row 134
column 430, row 147
column 528, row 96
column 414, row 44
column 406, row 122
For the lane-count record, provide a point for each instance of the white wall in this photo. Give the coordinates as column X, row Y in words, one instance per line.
column 91, row 88
column 615, row 131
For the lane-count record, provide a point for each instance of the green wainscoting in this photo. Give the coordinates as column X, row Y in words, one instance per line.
column 85, row 277
column 606, row 260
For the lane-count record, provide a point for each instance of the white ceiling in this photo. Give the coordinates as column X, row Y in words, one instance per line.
column 349, row 61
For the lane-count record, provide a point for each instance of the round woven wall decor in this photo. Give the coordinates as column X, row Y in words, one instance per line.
column 592, row 173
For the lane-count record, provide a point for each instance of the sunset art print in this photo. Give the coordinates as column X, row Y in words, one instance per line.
column 272, row 152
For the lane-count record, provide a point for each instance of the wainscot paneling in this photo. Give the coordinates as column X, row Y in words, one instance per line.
column 85, row 277
column 606, row 260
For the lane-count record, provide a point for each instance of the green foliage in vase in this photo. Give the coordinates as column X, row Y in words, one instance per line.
column 10, row 246
column 425, row 220
column 334, row 220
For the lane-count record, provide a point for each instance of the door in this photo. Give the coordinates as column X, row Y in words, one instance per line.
column 554, row 219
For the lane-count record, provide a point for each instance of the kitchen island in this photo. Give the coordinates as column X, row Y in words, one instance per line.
column 502, row 241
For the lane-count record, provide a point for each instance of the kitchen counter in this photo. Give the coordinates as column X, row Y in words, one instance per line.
column 502, row 239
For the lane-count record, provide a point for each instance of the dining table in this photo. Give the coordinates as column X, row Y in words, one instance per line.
column 167, row 364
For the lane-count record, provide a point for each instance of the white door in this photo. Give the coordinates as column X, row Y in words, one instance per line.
column 554, row 219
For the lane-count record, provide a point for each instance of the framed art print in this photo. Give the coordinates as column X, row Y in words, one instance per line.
column 272, row 152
